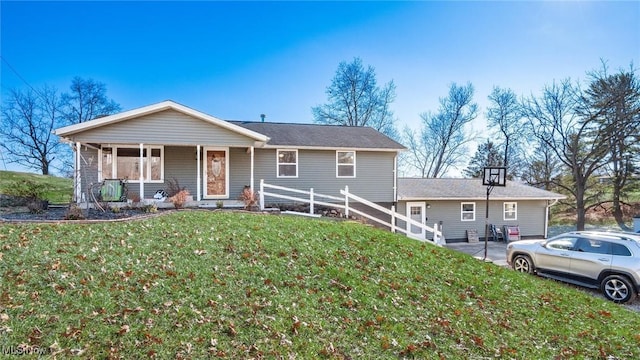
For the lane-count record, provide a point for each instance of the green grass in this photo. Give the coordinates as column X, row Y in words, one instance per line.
column 196, row 284
column 56, row 189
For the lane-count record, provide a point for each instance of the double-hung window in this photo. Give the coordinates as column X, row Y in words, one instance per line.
column 510, row 211
column 287, row 163
column 345, row 164
column 468, row 211
column 123, row 162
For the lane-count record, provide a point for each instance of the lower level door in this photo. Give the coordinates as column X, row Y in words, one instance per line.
column 216, row 173
column 416, row 211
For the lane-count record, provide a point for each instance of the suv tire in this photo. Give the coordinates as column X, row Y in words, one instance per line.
column 523, row 263
column 617, row 288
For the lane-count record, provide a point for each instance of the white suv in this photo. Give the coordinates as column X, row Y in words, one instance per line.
column 609, row 261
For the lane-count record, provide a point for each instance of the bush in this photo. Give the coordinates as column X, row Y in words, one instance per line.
column 74, row 213
column 249, row 198
column 179, row 199
column 27, row 189
column 151, row 208
column 173, row 187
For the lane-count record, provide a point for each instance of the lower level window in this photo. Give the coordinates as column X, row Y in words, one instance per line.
column 124, row 162
column 510, row 211
column 345, row 164
column 468, row 211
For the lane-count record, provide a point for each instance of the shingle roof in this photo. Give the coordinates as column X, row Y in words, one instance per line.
column 324, row 136
column 467, row 189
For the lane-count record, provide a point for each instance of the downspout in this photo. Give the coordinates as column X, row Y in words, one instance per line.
column 394, row 207
column 395, row 179
column 546, row 217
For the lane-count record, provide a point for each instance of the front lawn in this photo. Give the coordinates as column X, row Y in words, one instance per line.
column 197, row 284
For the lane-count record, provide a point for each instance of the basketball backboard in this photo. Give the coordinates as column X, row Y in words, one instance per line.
column 494, row 176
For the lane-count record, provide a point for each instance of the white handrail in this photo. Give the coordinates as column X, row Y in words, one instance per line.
column 312, row 201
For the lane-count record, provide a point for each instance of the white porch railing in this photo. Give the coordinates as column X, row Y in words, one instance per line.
column 343, row 203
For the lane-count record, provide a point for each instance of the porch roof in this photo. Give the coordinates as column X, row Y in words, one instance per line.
column 468, row 189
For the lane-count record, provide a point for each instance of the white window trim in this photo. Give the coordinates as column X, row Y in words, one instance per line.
column 278, row 164
column 338, row 164
column 504, row 211
column 462, row 212
column 114, row 162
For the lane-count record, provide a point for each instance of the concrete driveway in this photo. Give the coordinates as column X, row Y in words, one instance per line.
column 496, row 251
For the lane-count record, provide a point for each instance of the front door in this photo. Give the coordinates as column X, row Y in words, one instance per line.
column 216, row 170
column 416, row 211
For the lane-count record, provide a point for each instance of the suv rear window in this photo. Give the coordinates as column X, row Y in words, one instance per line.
column 620, row 250
column 593, row 246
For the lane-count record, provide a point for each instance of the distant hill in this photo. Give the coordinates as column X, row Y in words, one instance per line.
column 57, row 189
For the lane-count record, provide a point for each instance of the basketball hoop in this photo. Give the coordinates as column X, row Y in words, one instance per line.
column 494, row 176
column 491, row 177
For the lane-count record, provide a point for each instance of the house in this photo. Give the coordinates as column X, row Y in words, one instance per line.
column 215, row 159
column 459, row 205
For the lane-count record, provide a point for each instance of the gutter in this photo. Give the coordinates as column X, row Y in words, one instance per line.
column 546, row 217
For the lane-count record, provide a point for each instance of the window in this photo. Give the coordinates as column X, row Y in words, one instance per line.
column 510, row 211
column 562, row 244
column 593, row 246
column 123, row 162
column 620, row 250
column 345, row 164
column 287, row 163
column 468, row 211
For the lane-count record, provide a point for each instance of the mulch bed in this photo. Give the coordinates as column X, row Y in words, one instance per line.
column 59, row 214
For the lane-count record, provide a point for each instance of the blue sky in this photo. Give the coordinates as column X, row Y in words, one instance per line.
column 236, row 60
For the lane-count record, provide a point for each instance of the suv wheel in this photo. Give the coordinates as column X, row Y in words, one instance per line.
column 523, row 263
column 617, row 288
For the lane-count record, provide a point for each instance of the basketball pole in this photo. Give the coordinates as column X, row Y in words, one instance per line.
column 486, row 220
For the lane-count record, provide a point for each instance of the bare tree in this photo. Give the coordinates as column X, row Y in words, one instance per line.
column 542, row 168
column 355, row 99
column 87, row 101
column 504, row 115
column 28, row 120
column 613, row 101
column 441, row 142
column 555, row 121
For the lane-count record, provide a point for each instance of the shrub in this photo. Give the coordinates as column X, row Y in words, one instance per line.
column 219, row 204
column 36, row 206
column 151, row 208
column 173, row 187
column 26, row 189
column 179, row 199
column 249, row 197
column 74, row 213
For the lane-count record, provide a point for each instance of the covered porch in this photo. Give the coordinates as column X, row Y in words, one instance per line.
column 211, row 174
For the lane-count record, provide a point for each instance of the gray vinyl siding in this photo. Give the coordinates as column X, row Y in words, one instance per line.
column 164, row 128
column 531, row 217
column 317, row 169
column 180, row 163
column 88, row 168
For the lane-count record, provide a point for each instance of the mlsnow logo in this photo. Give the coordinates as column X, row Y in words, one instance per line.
column 23, row 350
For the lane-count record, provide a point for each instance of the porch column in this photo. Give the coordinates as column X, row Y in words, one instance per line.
column 252, row 160
column 198, row 175
column 141, row 171
column 78, row 184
